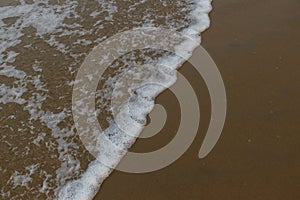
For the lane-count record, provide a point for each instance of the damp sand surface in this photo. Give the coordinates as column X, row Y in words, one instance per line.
column 256, row 46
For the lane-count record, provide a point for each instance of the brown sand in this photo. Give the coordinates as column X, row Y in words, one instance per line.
column 256, row 45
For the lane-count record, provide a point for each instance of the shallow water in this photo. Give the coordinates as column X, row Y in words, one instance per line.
column 43, row 43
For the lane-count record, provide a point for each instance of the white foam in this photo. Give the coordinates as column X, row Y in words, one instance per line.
column 23, row 180
column 48, row 20
column 90, row 181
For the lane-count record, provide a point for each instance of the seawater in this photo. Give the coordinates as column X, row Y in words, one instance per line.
column 43, row 44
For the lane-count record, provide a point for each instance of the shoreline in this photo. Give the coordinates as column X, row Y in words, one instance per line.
column 193, row 32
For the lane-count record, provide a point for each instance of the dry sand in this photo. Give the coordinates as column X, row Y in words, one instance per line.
column 256, row 45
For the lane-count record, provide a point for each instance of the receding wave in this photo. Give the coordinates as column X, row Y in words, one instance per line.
column 43, row 44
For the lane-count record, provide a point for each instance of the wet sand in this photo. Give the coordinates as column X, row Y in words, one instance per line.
column 256, row 46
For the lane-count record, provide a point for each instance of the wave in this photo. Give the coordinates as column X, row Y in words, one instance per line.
column 37, row 79
column 98, row 171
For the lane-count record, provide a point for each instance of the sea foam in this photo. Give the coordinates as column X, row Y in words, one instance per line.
column 90, row 181
column 63, row 28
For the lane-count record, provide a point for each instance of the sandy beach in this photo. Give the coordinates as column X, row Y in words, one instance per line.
column 256, row 46
column 44, row 46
